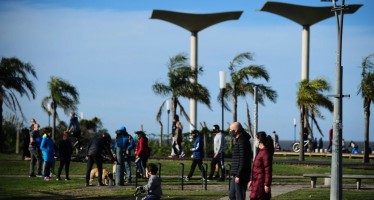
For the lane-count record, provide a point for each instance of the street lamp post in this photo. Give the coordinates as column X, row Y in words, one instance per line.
column 294, row 130
column 194, row 23
column 222, row 86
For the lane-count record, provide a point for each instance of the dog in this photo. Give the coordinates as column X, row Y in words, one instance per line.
column 95, row 173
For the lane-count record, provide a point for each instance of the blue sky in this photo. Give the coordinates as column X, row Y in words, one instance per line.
column 113, row 53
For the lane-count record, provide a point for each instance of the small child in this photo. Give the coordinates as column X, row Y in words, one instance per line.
column 153, row 187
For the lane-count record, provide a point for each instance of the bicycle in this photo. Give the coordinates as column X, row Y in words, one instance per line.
column 296, row 146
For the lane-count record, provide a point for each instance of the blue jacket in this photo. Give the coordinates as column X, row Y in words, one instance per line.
column 198, row 148
column 126, row 142
column 48, row 149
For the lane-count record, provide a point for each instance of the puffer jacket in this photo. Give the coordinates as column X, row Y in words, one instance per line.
column 261, row 175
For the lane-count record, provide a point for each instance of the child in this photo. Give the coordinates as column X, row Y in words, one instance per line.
column 153, row 187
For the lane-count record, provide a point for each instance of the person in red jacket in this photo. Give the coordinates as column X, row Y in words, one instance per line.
column 262, row 168
column 142, row 154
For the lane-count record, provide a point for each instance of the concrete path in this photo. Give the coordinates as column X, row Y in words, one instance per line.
column 277, row 190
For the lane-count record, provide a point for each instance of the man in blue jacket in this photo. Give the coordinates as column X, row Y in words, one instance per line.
column 198, row 154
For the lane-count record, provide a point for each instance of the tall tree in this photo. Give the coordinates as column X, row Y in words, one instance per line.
column 14, row 79
column 366, row 89
column 242, row 82
column 179, row 85
column 310, row 98
column 62, row 95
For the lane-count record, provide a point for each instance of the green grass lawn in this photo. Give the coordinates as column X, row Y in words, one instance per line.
column 15, row 183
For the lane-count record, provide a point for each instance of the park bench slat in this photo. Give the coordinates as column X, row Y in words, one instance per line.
column 358, row 177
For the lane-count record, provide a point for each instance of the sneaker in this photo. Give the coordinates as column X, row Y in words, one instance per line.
column 67, row 179
column 203, row 179
column 47, row 178
column 58, row 179
column 32, row 175
column 186, row 178
column 182, row 155
column 40, row 175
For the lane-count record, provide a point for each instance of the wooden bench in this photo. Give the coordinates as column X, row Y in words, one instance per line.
column 358, row 177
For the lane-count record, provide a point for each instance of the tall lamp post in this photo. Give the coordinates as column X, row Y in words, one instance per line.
column 168, row 111
column 336, row 157
column 222, row 86
column 194, row 23
column 294, row 130
column 306, row 16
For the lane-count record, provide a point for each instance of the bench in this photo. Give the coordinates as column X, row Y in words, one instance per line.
column 358, row 177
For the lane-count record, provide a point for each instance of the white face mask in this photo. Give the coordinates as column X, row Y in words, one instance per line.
column 256, row 143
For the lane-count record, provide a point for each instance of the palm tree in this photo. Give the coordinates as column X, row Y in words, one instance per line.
column 14, row 79
column 62, row 95
column 242, row 82
column 309, row 99
column 366, row 89
column 179, row 85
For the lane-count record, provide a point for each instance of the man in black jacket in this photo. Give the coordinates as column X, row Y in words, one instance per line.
column 96, row 147
column 241, row 161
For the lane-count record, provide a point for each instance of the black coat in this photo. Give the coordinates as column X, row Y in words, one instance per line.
column 99, row 145
column 65, row 149
column 242, row 158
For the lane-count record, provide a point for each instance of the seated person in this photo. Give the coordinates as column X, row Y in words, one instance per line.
column 153, row 187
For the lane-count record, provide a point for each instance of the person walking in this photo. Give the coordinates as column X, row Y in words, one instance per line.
column 218, row 157
column 175, row 131
column 198, row 155
column 241, row 161
column 262, row 171
column 331, row 131
column 34, row 148
column 48, row 150
column 142, row 154
column 98, row 145
column 177, row 141
column 65, row 149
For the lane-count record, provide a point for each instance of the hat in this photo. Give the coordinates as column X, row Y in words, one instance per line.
column 123, row 128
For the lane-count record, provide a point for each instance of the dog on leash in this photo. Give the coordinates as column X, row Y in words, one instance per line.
column 95, row 173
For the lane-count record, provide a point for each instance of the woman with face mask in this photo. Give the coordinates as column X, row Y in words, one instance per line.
column 262, row 168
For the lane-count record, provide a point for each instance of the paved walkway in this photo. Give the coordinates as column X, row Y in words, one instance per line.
column 277, row 190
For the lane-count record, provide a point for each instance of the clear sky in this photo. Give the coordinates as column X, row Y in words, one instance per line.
column 113, row 53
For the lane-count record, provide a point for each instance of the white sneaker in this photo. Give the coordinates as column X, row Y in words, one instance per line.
column 186, row 178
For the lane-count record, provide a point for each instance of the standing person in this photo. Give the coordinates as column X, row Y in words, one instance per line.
column 65, row 150
column 198, row 154
column 276, row 141
column 26, row 142
column 173, row 130
column 98, row 145
column 153, row 187
column 331, row 131
column 218, row 157
column 262, row 172
column 177, row 141
column 241, row 161
column 75, row 130
column 48, row 150
column 129, row 144
column 142, row 154
column 34, row 148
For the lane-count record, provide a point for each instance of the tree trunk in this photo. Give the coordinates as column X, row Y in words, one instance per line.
column 302, row 125
column 235, row 108
column 367, row 102
column 54, row 120
column 1, row 127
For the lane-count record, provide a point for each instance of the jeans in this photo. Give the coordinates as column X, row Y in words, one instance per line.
column 64, row 162
column 36, row 156
column 127, row 162
column 237, row 190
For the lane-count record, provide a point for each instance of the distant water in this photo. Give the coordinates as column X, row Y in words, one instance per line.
column 286, row 145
